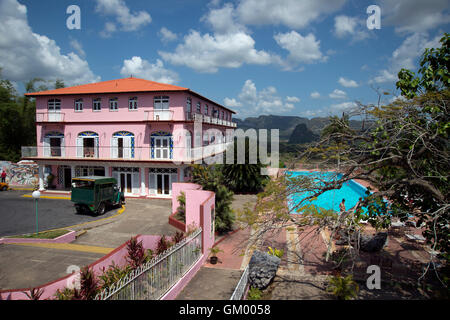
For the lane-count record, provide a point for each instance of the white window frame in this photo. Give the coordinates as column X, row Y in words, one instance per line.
column 161, row 103
column 78, row 105
column 199, row 108
column 133, row 104
column 54, row 105
column 188, row 104
column 162, row 149
column 97, row 102
column 113, row 104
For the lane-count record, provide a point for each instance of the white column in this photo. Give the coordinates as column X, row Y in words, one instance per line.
column 41, row 177
column 107, row 174
column 72, row 171
column 143, row 187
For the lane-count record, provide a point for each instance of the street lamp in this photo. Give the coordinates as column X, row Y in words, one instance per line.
column 36, row 195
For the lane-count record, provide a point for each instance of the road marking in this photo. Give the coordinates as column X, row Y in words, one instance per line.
column 46, row 197
column 68, row 246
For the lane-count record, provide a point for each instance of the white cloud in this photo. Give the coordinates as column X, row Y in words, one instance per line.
column 350, row 26
column 342, row 106
column 414, row 15
column 250, row 101
column 294, row 14
column 315, row 95
column 141, row 68
column 348, row 83
column 232, row 103
column 78, row 47
column 338, row 94
column 405, row 56
column 25, row 55
column 207, row 53
column 167, row 35
column 127, row 20
column 292, row 99
column 301, row 49
column 223, row 20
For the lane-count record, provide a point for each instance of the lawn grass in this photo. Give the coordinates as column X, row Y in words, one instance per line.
column 43, row 235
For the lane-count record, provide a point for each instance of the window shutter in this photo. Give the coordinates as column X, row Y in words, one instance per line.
column 152, row 183
column 136, row 183
column 96, row 146
column 114, row 146
column 127, row 147
column 63, row 149
column 79, row 147
column 46, row 147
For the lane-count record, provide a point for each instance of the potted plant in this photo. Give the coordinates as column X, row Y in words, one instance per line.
column 214, row 251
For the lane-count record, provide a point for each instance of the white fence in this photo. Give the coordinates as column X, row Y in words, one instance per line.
column 153, row 280
column 239, row 291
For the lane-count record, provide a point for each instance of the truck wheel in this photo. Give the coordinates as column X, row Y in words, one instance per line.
column 5, row 188
column 101, row 209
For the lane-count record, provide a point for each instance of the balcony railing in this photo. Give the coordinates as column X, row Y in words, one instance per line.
column 178, row 154
column 50, row 117
column 159, row 115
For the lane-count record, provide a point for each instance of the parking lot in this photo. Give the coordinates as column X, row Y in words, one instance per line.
column 18, row 213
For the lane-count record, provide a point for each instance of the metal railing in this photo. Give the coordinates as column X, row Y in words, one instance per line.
column 159, row 115
column 153, row 280
column 239, row 291
column 50, row 117
column 181, row 154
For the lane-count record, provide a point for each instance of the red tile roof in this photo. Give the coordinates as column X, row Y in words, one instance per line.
column 112, row 86
column 119, row 86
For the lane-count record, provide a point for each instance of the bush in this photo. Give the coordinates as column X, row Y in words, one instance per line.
column 254, row 294
column 343, row 288
column 136, row 253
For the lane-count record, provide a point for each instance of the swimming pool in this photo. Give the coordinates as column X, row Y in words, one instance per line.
column 351, row 191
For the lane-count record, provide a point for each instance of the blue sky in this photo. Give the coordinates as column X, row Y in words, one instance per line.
column 285, row 57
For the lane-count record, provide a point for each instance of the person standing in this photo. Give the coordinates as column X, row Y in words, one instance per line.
column 342, row 206
column 3, row 176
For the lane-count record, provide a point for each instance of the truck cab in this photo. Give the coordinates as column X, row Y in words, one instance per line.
column 94, row 194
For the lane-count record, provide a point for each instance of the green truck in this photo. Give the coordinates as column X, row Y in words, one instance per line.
column 94, row 194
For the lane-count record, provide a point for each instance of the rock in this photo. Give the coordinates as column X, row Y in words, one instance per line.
column 373, row 244
column 262, row 269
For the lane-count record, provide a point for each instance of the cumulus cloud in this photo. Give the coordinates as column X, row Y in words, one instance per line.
column 291, row 13
column 410, row 16
column 315, row 95
column 302, row 49
column 166, row 35
column 252, row 101
column 78, row 47
column 344, row 106
column 405, row 56
column 292, row 99
column 338, row 94
column 141, row 68
column 25, row 55
column 127, row 20
column 348, row 83
column 209, row 52
column 350, row 26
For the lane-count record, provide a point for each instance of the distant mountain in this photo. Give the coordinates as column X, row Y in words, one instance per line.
column 302, row 134
column 287, row 125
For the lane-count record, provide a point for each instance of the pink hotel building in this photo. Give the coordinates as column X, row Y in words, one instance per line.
column 140, row 132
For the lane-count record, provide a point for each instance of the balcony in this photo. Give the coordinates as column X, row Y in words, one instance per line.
column 129, row 154
column 50, row 117
column 159, row 115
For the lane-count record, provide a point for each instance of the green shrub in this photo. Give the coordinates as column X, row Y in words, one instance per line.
column 343, row 288
column 254, row 294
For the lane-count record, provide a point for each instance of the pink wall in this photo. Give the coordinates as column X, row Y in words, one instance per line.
column 177, row 104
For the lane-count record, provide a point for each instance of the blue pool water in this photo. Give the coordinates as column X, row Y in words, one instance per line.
column 351, row 191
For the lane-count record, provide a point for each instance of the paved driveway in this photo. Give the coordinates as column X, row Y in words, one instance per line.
column 18, row 214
